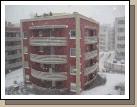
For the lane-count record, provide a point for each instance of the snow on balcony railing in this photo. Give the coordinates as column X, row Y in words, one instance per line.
column 90, row 55
column 12, row 38
column 48, row 41
column 48, row 26
column 8, row 57
column 51, row 76
column 90, row 39
column 49, row 59
column 16, row 64
column 90, row 69
column 13, row 47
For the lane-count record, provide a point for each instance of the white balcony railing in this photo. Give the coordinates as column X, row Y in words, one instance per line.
column 90, row 55
column 49, row 59
column 53, row 76
column 48, row 41
column 49, row 27
column 12, row 38
column 90, row 69
column 13, row 65
column 14, row 56
column 90, row 39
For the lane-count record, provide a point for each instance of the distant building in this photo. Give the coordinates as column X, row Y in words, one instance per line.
column 103, row 37
column 13, row 56
column 120, row 38
column 111, row 39
column 60, row 52
column 106, row 38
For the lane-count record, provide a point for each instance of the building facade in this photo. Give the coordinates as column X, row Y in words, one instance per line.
column 106, row 38
column 13, row 55
column 60, row 52
column 111, row 39
column 120, row 38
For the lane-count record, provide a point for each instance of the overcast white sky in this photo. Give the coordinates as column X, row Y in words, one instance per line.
column 104, row 14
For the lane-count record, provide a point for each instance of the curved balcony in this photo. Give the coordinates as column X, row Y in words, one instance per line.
column 90, row 69
column 48, row 41
column 90, row 39
column 90, row 55
column 49, row 59
column 53, row 76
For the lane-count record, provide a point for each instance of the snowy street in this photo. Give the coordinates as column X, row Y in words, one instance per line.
column 109, row 87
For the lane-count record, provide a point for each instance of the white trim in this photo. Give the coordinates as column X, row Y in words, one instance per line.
column 25, row 38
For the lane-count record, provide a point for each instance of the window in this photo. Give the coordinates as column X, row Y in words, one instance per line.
column 121, row 38
column 25, row 35
column 11, row 52
column 121, row 30
column 73, row 87
column 72, row 52
column 73, row 70
column 26, row 64
column 72, row 34
column 40, row 34
column 121, row 22
column 120, row 46
column 40, row 49
column 27, row 77
column 25, row 49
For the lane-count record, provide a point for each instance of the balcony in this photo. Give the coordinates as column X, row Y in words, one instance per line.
column 90, row 55
column 13, row 65
column 49, row 59
column 48, row 27
column 90, row 39
column 90, row 69
column 53, row 76
column 13, row 56
column 90, row 81
column 48, row 41
column 13, row 47
column 12, row 38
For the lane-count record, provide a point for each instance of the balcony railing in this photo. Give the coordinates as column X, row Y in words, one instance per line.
column 49, row 27
column 12, row 38
column 13, row 47
column 53, row 76
column 13, row 56
column 90, row 55
column 90, row 69
column 90, row 81
column 49, row 59
column 48, row 41
column 13, row 65
column 90, row 39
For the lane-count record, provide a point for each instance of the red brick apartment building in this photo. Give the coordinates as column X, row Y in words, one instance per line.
column 60, row 51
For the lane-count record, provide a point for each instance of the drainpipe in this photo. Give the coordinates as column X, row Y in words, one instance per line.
column 22, row 47
column 78, row 35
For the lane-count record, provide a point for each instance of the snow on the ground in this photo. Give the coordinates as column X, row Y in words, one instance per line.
column 103, row 56
column 16, row 75
column 109, row 87
column 112, row 79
